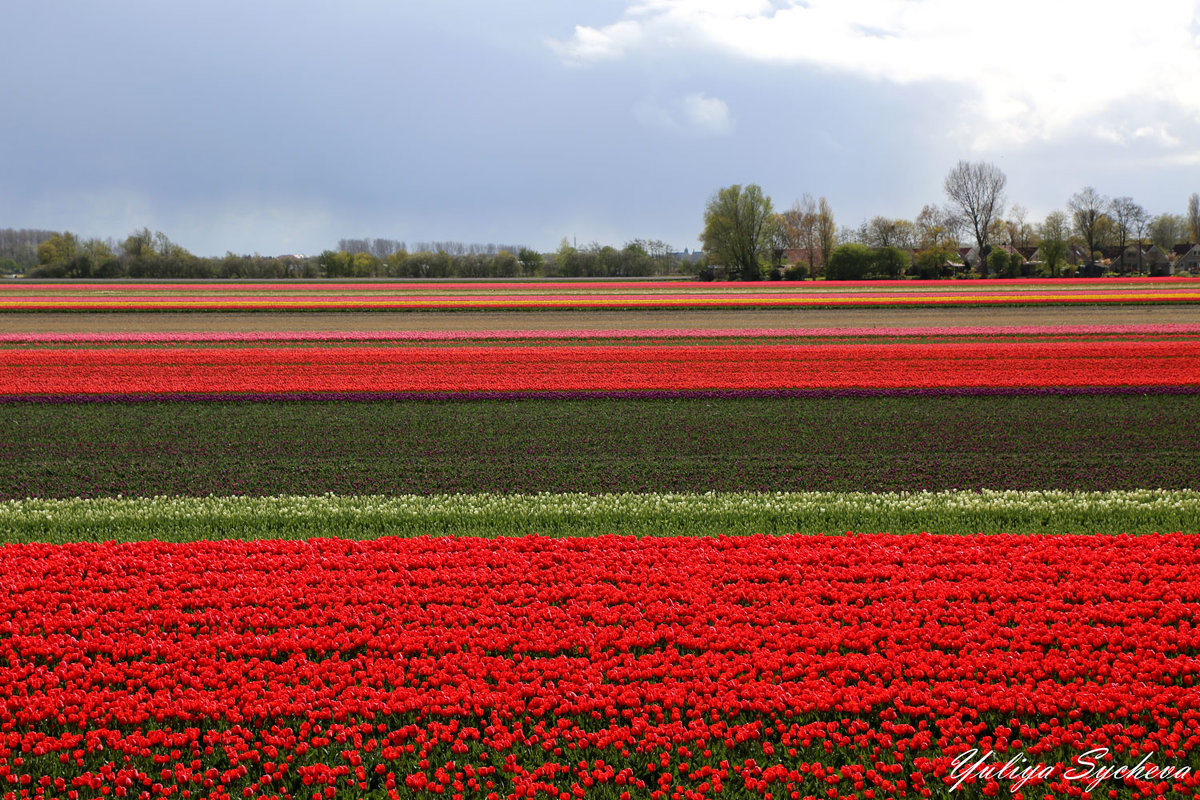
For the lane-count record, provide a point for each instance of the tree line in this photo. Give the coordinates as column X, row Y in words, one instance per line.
column 746, row 239
column 146, row 254
column 142, row 254
column 360, row 258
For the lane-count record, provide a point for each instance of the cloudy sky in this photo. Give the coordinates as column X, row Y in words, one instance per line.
column 281, row 126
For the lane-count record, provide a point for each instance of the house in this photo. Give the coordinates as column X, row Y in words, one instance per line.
column 1157, row 262
column 1155, row 255
column 1076, row 254
column 1133, row 259
column 809, row 255
column 1112, row 253
column 1189, row 260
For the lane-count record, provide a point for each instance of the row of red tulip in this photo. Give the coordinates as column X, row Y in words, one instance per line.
column 871, row 666
column 590, row 368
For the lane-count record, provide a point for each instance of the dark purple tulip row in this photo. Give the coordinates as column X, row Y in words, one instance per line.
column 646, row 394
column 1082, row 441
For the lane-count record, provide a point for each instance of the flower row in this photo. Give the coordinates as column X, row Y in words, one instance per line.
column 602, row 443
column 980, row 332
column 574, row 286
column 350, row 303
column 576, row 514
column 406, row 296
column 603, row 367
column 667, row 667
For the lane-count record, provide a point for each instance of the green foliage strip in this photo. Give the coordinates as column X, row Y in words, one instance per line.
column 184, row 519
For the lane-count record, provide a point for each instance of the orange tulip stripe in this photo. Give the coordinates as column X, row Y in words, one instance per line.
column 532, row 296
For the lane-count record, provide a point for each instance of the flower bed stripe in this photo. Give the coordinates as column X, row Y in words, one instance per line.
column 600, row 368
column 633, row 394
column 179, row 519
column 568, row 285
column 602, row 445
column 218, row 296
column 1171, row 329
column 614, row 302
column 589, row 667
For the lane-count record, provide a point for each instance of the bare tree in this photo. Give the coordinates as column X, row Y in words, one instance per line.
column 826, row 232
column 1087, row 214
column 1125, row 214
column 1138, row 222
column 1018, row 230
column 802, row 228
column 1193, row 217
column 879, row 232
column 976, row 191
column 354, row 245
column 935, row 228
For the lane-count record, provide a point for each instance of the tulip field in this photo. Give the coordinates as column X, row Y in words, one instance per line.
column 683, row 563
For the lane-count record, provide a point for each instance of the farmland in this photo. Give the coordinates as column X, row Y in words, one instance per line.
column 682, row 541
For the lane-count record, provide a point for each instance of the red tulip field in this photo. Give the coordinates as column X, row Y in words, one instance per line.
column 672, row 564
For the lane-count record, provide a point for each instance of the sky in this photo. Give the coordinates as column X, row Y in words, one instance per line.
column 282, row 126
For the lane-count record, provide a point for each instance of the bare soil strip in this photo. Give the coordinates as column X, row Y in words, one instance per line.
column 701, row 319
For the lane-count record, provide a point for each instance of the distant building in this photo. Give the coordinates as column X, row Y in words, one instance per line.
column 1132, row 258
column 810, row 256
column 1189, row 260
column 687, row 256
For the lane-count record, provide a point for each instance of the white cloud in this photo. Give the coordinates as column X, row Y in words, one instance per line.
column 707, row 113
column 593, row 44
column 1035, row 69
column 695, row 114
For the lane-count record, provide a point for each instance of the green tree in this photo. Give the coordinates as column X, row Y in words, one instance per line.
column 58, row 248
column 531, row 261
column 566, row 260
column 997, row 262
column 364, row 265
column 336, row 265
column 1053, row 249
column 849, row 262
column 890, row 262
column 1166, row 230
column 928, row 263
column 396, row 268
column 505, row 265
column 737, row 229
column 138, row 244
column 1016, row 262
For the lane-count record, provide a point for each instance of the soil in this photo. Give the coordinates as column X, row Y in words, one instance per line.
column 704, row 319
